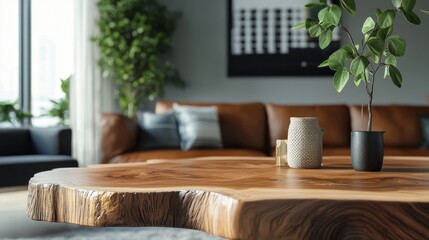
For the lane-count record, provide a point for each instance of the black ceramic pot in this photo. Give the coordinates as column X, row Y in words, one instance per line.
column 367, row 150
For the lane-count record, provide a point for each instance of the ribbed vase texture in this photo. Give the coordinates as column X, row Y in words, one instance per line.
column 305, row 143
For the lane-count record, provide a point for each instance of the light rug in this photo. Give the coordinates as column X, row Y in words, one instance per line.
column 128, row 233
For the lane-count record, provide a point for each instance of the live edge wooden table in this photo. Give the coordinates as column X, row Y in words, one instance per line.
column 242, row 198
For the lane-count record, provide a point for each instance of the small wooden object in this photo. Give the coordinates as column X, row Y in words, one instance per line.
column 242, row 198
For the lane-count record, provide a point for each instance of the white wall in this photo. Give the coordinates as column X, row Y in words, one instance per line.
column 200, row 53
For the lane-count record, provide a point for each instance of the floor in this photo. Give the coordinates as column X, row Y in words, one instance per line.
column 14, row 222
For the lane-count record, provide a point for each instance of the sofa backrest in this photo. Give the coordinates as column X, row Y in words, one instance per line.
column 334, row 119
column 400, row 123
column 15, row 141
column 242, row 125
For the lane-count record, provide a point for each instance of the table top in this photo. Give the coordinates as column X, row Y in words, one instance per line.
column 228, row 187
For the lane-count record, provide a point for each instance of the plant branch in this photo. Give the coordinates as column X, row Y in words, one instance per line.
column 370, row 103
column 350, row 37
column 370, row 95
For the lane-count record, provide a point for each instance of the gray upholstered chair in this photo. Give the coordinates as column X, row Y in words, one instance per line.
column 26, row 151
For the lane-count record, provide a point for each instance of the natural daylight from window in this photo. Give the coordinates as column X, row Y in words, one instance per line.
column 52, row 35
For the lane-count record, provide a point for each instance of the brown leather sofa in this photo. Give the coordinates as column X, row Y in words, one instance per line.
column 251, row 129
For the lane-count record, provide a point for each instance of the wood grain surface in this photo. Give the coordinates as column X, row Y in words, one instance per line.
column 242, row 198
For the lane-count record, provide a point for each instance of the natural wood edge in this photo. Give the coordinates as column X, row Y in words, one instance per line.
column 205, row 211
column 224, row 216
column 330, row 219
column 249, row 201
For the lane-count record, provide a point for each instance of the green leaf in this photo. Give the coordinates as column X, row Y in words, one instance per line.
column 366, row 37
column 299, row 25
column 359, row 65
column 358, row 79
column 357, row 47
column 315, row 4
column 408, row 5
column 397, row 3
column 384, row 33
column 322, row 13
column 424, row 11
column 323, row 1
column 386, row 71
column 315, row 31
column 391, row 60
column 373, row 56
column 412, row 17
column 333, row 16
column 325, row 39
column 349, row 50
column 337, row 60
column 396, row 45
column 326, row 25
column 386, row 19
column 340, row 79
column 395, row 75
column 368, row 25
column 376, row 45
column 378, row 12
column 309, row 23
column 324, row 64
column 349, row 6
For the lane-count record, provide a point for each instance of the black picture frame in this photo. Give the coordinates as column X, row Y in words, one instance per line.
column 297, row 61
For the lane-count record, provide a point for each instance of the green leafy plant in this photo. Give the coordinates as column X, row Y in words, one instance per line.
column 378, row 49
column 60, row 107
column 134, row 40
column 11, row 113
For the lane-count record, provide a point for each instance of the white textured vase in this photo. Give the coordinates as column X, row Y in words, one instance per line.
column 305, row 143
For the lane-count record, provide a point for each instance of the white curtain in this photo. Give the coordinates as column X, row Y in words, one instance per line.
column 90, row 95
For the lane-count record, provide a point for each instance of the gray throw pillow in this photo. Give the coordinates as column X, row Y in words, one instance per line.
column 198, row 127
column 158, row 131
column 424, row 122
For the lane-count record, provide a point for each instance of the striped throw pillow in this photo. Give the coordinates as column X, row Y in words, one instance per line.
column 158, row 131
column 198, row 127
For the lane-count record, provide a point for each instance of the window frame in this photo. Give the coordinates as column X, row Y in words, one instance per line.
column 25, row 57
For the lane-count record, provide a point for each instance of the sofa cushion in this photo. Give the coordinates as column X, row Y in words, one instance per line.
column 424, row 121
column 242, row 125
column 17, row 170
column 334, row 119
column 198, row 127
column 400, row 123
column 178, row 154
column 15, row 141
column 52, row 140
column 158, row 131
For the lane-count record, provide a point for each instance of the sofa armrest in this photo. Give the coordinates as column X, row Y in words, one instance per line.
column 118, row 135
column 52, row 140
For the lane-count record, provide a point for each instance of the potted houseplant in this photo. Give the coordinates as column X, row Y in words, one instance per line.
column 60, row 107
column 362, row 60
column 134, row 40
column 11, row 113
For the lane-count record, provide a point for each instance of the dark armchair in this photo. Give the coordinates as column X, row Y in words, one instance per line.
column 26, row 151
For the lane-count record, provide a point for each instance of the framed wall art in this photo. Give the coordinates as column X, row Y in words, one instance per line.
column 261, row 42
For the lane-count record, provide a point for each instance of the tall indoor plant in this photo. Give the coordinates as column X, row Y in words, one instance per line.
column 363, row 60
column 134, row 40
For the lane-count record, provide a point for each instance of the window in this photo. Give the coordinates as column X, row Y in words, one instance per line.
column 51, row 54
column 9, row 50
